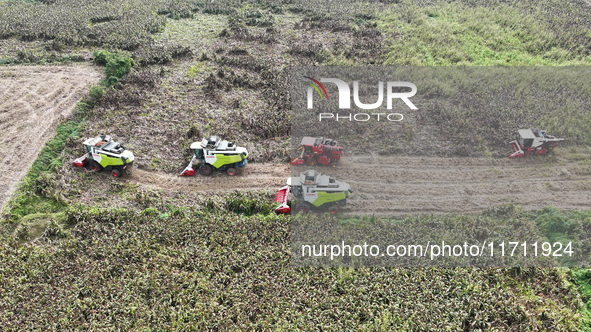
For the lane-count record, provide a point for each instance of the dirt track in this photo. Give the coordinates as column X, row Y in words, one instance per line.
column 402, row 185
column 253, row 177
column 32, row 101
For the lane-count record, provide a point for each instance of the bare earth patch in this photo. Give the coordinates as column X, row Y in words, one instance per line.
column 33, row 100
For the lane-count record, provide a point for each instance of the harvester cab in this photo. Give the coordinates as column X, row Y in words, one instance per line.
column 533, row 142
column 104, row 153
column 214, row 153
column 312, row 191
column 318, row 150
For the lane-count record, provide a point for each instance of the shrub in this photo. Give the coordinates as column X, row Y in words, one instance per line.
column 94, row 94
column 100, row 57
column 116, row 65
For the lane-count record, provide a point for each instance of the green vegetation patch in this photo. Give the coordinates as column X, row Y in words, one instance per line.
column 582, row 278
column 486, row 33
column 197, row 33
column 116, row 65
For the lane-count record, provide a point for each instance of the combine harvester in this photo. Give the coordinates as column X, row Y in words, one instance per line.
column 215, row 153
column 104, row 153
column 318, row 150
column 312, row 191
column 533, row 142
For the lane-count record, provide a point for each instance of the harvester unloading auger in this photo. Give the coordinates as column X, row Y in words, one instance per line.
column 104, row 153
column 318, row 150
column 533, row 142
column 215, row 153
column 312, row 191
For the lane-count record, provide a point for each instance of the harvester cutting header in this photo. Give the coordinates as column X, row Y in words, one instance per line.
column 533, row 142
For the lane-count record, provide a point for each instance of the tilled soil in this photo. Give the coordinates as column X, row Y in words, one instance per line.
column 33, row 99
column 411, row 185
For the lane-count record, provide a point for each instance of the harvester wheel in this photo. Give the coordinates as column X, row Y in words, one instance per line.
column 302, row 207
column 95, row 166
column 116, row 172
column 333, row 209
column 205, row 169
column 231, row 171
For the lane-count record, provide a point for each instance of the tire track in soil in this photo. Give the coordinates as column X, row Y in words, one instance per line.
column 413, row 185
column 33, row 100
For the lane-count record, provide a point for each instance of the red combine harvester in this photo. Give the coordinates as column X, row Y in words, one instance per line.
column 318, row 150
column 533, row 142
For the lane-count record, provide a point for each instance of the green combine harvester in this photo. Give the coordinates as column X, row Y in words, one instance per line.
column 312, row 191
column 104, row 153
column 214, row 153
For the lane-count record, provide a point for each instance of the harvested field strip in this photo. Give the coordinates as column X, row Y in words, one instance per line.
column 32, row 103
column 402, row 185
